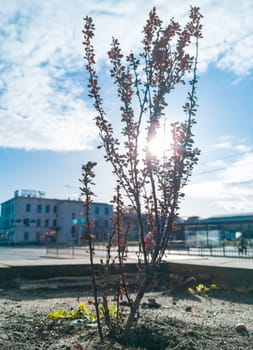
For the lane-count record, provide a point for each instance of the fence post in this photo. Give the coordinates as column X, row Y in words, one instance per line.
column 223, row 247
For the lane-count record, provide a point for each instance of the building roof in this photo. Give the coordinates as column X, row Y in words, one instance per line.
column 36, row 197
column 227, row 219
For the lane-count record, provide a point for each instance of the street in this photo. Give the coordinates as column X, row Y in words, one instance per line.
column 21, row 253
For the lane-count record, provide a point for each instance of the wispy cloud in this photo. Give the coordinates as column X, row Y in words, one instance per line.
column 228, row 35
column 239, row 172
column 42, row 93
column 233, row 144
column 230, row 188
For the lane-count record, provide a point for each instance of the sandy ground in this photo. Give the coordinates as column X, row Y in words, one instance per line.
column 181, row 322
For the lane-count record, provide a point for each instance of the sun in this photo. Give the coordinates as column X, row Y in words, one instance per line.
column 160, row 145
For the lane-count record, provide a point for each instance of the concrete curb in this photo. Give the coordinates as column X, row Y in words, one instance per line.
column 225, row 277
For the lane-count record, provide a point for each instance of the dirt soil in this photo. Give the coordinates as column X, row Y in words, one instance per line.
column 182, row 322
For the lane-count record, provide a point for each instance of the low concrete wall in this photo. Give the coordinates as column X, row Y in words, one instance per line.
column 36, row 272
column 225, row 277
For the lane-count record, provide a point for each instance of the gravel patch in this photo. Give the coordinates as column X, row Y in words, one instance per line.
column 168, row 322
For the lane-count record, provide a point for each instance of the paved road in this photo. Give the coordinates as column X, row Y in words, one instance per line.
column 21, row 253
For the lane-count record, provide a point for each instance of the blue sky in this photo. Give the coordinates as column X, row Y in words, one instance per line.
column 46, row 120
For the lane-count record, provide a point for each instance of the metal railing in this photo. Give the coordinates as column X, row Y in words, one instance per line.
column 223, row 250
column 174, row 248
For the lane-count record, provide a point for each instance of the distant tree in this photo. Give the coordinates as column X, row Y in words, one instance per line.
column 152, row 184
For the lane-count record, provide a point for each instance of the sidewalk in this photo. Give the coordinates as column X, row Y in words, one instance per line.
column 83, row 259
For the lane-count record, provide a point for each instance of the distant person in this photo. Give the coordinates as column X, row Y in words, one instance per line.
column 242, row 248
column 149, row 243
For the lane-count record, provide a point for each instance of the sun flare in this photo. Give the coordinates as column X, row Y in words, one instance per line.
column 160, row 145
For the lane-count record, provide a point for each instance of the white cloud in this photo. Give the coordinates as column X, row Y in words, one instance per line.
column 241, row 205
column 229, row 191
column 219, row 163
column 40, row 102
column 35, row 116
column 42, row 79
column 228, row 31
column 230, row 142
column 239, row 172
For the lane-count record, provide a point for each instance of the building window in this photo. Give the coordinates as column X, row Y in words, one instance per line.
column 26, row 236
column 38, row 236
column 39, row 208
column 18, row 221
column 54, row 223
column 96, row 210
column 47, row 208
column 46, row 223
column 26, row 222
column 106, row 224
column 106, row 211
column 55, row 209
column 38, row 223
column 28, row 207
